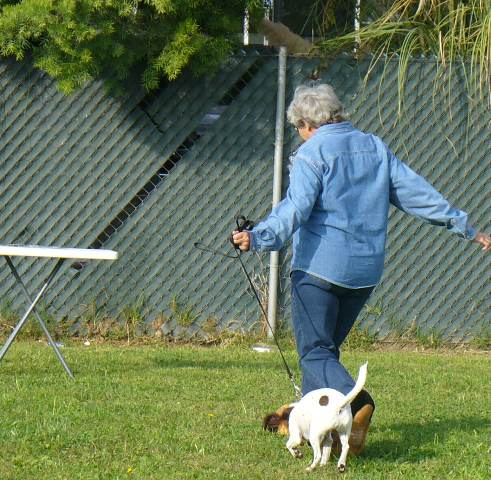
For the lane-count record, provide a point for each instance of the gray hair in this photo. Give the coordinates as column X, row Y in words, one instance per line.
column 317, row 105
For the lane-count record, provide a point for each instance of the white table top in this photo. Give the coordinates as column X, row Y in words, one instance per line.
column 57, row 252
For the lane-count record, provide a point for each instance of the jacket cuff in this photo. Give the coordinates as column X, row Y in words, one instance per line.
column 470, row 233
column 253, row 245
column 462, row 229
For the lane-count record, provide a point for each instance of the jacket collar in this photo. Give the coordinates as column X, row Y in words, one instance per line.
column 341, row 127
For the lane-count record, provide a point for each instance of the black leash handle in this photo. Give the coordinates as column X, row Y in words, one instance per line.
column 242, row 224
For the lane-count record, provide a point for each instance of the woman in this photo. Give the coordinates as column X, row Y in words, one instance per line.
column 341, row 184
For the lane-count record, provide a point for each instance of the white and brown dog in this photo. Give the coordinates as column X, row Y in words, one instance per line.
column 319, row 413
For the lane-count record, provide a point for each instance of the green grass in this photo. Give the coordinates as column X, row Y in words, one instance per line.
column 183, row 412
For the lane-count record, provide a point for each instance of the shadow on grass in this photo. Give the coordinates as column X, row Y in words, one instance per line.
column 419, row 441
column 218, row 364
column 45, row 364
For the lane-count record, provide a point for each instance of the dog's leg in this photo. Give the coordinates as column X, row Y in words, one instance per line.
column 315, row 442
column 292, row 447
column 294, row 441
column 343, row 438
column 326, row 448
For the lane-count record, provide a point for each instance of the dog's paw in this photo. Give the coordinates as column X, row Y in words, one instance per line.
column 297, row 453
column 341, row 468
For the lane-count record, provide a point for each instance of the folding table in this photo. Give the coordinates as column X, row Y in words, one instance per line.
column 61, row 254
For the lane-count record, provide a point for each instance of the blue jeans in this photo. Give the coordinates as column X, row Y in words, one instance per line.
column 323, row 314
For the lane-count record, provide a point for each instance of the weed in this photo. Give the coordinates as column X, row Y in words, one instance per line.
column 8, row 317
column 157, row 324
column 376, row 309
column 94, row 322
column 133, row 318
column 210, row 326
column 184, row 325
column 416, row 335
column 359, row 338
column 31, row 328
column 183, row 314
column 483, row 339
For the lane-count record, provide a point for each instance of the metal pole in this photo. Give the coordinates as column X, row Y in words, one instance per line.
column 274, row 263
column 40, row 320
column 357, row 25
column 20, row 324
column 246, row 27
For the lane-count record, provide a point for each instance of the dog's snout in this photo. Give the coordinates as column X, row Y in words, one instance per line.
column 324, row 400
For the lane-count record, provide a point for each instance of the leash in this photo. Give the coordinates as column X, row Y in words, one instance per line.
column 248, row 225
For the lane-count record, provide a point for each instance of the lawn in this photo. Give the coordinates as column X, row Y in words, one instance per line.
column 183, row 412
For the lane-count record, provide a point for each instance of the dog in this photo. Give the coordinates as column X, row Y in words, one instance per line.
column 319, row 413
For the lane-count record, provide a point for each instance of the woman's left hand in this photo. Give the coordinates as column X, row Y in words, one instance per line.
column 483, row 239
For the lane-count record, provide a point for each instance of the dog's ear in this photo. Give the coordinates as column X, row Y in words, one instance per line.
column 283, row 428
column 284, row 411
column 271, row 422
column 324, row 400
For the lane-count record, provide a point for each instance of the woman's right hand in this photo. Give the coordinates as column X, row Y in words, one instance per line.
column 241, row 240
column 483, row 239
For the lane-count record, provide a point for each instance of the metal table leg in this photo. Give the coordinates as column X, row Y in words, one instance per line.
column 31, row 308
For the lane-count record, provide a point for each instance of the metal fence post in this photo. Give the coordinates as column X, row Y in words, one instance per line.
column 277, row 176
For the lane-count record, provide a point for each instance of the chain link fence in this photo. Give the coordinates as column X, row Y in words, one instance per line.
column 149, row 175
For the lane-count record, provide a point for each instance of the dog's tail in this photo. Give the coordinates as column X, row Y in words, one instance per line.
column 360, row 382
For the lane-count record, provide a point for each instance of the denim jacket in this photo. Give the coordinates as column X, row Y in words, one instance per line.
column 337, row 204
